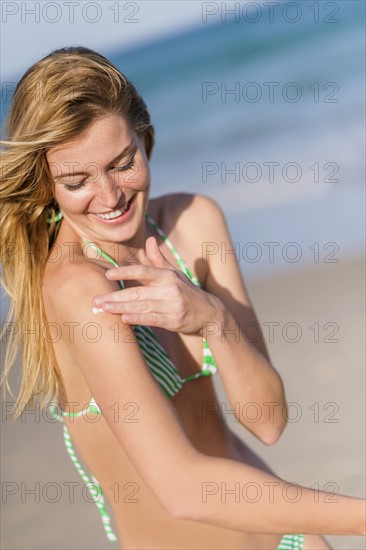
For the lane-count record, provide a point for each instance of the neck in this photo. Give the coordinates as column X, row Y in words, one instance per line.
column 106, row 253
column 127, row 252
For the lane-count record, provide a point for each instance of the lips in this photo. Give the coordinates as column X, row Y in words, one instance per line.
column 116, row 216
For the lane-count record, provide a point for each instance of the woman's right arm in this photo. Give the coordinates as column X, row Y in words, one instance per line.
column 189, row 484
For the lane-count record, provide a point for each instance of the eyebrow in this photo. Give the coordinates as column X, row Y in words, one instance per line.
column 129, row 147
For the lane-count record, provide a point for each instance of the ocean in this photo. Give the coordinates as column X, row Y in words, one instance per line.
column 263, row 110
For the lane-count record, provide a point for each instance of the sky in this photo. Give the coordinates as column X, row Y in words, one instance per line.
column 32, row 29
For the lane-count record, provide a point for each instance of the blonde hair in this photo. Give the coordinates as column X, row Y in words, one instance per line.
column 56, row 99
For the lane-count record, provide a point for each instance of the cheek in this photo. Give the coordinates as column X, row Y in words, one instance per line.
column 73, row 202
column 146, row 176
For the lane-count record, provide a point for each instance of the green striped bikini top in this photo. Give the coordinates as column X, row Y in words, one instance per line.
column 163, row 369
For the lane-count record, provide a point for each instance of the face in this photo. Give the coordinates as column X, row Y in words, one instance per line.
column 102, row 181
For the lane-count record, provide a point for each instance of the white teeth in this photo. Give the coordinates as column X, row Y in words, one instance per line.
column 111, row 215
column 114, row 214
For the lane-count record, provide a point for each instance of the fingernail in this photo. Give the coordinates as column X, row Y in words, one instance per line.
column 97, row 310
column 110, row 273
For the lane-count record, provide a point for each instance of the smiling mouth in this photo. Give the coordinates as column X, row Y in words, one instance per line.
column 116, row 213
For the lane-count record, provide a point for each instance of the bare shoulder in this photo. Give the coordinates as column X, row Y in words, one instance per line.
column 192, row 221
column 68, row 289
column 178, row 208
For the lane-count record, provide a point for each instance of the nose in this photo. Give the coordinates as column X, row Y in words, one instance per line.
column 108, row 191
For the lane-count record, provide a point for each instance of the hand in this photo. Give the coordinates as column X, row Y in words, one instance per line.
column 166, row 299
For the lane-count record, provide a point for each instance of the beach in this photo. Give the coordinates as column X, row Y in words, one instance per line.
column 266, row 118
column 314, row 325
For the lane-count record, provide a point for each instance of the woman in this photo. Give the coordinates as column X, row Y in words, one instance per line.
column 139, row 401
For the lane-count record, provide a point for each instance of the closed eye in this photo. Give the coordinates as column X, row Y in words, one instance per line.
column 131, row 164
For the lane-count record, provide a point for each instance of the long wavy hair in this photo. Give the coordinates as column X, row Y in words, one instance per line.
column 56, row 100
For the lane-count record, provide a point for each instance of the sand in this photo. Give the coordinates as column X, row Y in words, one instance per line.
column 323, row 446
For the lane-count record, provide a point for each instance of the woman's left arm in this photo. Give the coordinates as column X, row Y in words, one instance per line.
column 253, row 386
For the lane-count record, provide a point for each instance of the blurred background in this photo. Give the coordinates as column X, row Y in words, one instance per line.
column 259, row 105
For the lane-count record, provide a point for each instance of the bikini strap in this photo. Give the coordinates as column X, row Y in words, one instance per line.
column 107, row 257
column 180, row 261
column 208, row 364
column 93, row 485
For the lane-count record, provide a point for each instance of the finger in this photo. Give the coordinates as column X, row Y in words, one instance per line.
column 147, row 319
column 157, row 258
column 135, row 293
column 137, row 272
column 155, row 255
column 151, row 306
